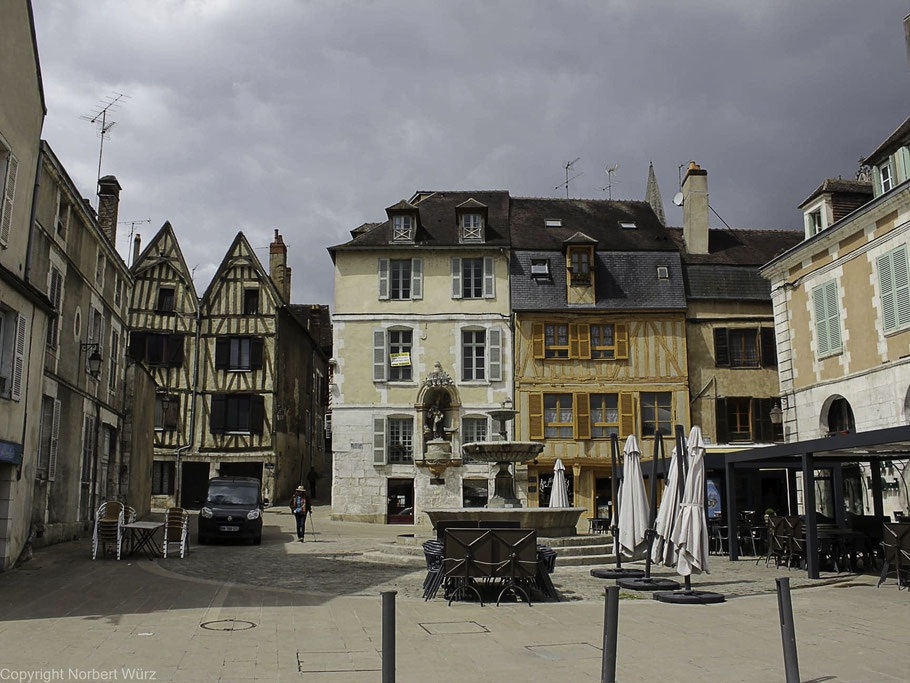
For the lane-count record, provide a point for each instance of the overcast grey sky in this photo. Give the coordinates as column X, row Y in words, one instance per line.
column 312, row 117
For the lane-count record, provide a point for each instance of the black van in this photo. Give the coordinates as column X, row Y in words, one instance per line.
column 232, row 509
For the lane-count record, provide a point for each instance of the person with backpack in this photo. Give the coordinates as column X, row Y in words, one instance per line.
column 301, row 507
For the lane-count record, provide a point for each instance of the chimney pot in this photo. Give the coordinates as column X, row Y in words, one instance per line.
column 108, row 206
column 695, row 209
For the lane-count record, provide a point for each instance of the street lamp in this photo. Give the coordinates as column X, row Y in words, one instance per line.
column 776, row 414
column 94, row 359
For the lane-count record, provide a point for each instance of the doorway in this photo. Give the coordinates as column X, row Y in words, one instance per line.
column 194, row 484
column 401, row 501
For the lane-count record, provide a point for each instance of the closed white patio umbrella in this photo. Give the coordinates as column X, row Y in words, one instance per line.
column 633, row 510
column 559, row 494
column 690, row 533
column 663, row 551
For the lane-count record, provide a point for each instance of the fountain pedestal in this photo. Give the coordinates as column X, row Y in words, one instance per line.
column 504, row 489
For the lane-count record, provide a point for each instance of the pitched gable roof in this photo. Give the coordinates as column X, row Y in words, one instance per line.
column 165, row 248
column 241, row 252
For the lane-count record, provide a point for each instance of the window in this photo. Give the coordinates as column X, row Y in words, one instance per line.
column 602, row 342
column 96, row 336
column 473, row 278
column 473, row 355
column 604, row 415
column 162, row 478
column 167, row 412
column 894, row 286
column 815, row 222
column 580, row 265
column 55, row 293
column 743, row 348
column 13, row 343
column 540, row 267
column 886, row 176
column 553, row 222
column 400, row 279
column 746, row 418
column 401, row 435
column 663, row 273
column 115, row 353
column 237, row 413
column 9, row 168
column 99, row 268
column 118, row 290
column 558, row 416
column 599, row 341
column 656, row 413
column 738, row 347
column 471, row 227
column 238, row 353
column 474, row 429
column 165, row 300
column 250, row 301
column 628, row 226
column 827, row 319
column 474, row 493
column 50, row 431
column 402, row 228
column 556, row 340
column 739, row 419
column 155, row 348
column 62, row 219
column 400, row 355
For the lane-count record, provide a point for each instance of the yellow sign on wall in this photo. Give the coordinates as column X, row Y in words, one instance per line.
column 399, row 359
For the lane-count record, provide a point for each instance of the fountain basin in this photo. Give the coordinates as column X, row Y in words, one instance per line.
column 549, row 522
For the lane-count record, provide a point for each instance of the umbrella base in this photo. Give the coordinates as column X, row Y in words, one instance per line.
column 690, row 597
column 607, row 573
column 648, row 583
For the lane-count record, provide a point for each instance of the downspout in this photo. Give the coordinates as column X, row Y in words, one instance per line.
column 178, row 476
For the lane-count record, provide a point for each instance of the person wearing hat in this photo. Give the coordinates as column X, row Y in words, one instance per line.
column 300, row 506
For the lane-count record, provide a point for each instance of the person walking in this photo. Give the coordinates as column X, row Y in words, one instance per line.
column 300, row 506
column 312, row 476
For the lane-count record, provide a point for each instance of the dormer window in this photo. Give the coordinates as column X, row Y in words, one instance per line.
column 628, row 226
column 471, row 227
column 887, row 177
column 402, row 228
column 580, row 265
column 663, row 273
column 540, row 267
column 815, row 222
column 553, row 222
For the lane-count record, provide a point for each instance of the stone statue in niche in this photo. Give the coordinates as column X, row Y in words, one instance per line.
column 436, row 422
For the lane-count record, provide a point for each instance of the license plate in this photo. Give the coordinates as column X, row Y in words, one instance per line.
column 229, row 528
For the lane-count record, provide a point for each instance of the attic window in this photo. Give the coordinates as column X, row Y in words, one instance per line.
column 540, row 267
column 627, row 226
column 663, row 273
column 553, row 222
column 402, row 228
column 471, row 227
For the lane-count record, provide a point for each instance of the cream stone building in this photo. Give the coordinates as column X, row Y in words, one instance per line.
column 421, row 324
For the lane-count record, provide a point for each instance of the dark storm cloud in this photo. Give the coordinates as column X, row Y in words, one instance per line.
column 311, row 117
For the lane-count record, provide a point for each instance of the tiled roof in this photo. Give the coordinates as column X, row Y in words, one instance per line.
column 737, row 247
column 623, row 281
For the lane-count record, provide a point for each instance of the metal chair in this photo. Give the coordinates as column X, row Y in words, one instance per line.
column 109, row 521
column 896, row 546
column 176, row 530
column 433, row 553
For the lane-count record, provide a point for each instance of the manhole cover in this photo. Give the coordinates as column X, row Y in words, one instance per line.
column 228, row 625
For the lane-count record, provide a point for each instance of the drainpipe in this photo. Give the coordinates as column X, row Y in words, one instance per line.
column 178, row 475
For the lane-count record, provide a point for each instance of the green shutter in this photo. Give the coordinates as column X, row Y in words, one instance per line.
column 821, row 322
column 833, row 315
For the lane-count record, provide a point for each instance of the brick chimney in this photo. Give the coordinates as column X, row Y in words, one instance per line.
column 695, row 209
column 108, row 204
column 278, row 267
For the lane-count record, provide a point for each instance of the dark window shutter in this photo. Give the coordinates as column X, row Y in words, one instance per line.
column 721, row 347
column 255, row 353
column 720, row 416
column 222, row 352
column 175, row 350
column 768, row 347
column 767, row 427
column 257, row 413
column 755, row 419
column 137, row 345
column 216, row 419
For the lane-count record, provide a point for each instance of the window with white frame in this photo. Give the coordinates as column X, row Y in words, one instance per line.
column 9, row 169
column 827, row 318
column 401, row 437
column 474, row 429
column 815, row 222
column 400, row 355
column 473, row 278
column 473, row 355
column 886, row 175
column 894, row 286
column 62, row 218
column 471, row 227
column 55, row 294
column 400, row 279
column 402, row 228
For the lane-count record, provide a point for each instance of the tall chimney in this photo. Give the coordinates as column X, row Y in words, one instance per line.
column 695, row 209
column 137, row 240
column 108, row 204
column 278, row 266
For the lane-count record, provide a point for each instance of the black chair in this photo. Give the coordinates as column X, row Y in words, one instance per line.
column 896, row 546
column 515, row 561
column 468, row 556
column 546, row 565
column 433, row 553
column 778, row 546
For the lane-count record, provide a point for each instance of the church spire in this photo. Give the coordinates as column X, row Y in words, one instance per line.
column 652, row 195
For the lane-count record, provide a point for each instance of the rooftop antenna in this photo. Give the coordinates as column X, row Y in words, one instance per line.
column 568, row 166
column 610, row 173
column 100, row 118
column 132, row 225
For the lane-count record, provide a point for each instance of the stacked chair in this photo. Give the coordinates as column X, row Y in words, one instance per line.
column 176, row 530
column 109, row 521
column 896, row 546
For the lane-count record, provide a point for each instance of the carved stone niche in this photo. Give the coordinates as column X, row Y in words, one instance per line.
column 437, row 411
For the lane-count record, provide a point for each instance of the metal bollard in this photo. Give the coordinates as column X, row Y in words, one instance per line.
column 611, row 620
column 787, row 629
column 388, row 636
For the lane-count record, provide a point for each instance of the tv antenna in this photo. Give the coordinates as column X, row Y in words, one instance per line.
column 610, row 173
column 100, row 119
column 568, row 167
column 132, row 225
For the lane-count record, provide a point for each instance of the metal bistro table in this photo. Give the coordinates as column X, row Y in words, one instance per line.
column 142, row 537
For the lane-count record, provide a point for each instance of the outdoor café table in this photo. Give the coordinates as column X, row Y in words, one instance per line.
column 142, row 537
column 843, row 544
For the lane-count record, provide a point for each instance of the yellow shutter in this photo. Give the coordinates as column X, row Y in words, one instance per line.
column 626, row 415
column 584, row 340
column 537, row 340
column 573, row 340
column 621, row 331
column 582, row 416
column 535, row 416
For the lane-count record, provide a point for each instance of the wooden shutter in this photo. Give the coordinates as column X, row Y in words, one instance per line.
column 821, row 323
column 886, row 288
column 720, row 418
column 222, row 352
column 832, row 315
column 383, row 278
column 621, row 339
column 901, row 286
column 755, row 421
column 626, row 415
column 584, row 340
column 216, row 418
column 257, row 413
column 494, row 353
column 55, row 434
column 18, row 357
column 137, row 345
column 174, row 350
column 537, row 347
column 582, row 416
column 573, row 340
column 379, row 441
column 721, row 347
column 379, row 356
column 535, row 416
column 768, row 347
column 9, row 194
column 456, row 278
column 489, row 278
column 767, row 427
column 416, row 278
column 256, row 345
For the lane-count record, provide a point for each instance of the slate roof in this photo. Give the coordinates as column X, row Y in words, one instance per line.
column 840, row 186
column 319, row 319
column 738, row 247
column 711, row 281
column 623, row 281
column 896, row 139
column 438, row 223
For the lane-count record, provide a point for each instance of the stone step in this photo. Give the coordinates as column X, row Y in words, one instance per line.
column 582, row 539
column 582, row 550
column 584, row 560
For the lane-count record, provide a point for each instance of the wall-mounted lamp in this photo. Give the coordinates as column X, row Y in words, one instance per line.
column 94, row 358
column 776, row 414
